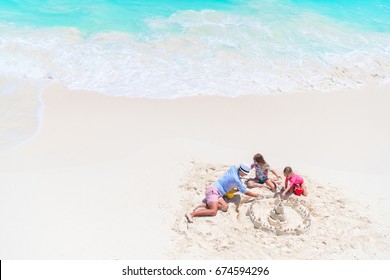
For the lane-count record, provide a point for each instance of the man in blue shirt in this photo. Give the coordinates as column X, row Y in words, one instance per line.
column 214, row 193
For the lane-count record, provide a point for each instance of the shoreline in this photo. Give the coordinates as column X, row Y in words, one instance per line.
column 108, row 169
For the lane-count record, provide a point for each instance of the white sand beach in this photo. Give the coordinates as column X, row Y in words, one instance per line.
column 111, row 177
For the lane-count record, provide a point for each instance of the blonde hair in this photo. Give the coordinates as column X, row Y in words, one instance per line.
column 258, row 158
column 287, row 170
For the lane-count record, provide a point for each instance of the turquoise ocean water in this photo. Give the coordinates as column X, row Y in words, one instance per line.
column 173, row 48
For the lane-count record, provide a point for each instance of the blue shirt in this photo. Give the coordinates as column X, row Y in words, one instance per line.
column 228, row 181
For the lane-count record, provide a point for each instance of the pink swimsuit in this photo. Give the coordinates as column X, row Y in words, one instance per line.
column 295, row 179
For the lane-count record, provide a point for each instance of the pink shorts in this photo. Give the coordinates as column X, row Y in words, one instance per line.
column 212, row 194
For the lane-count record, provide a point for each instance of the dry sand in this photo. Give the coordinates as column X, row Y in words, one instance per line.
column 111, row 178
column 337, row 230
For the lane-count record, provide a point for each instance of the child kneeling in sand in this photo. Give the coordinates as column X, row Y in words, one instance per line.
column 293, row 184
column 262, row 168
column 215, row 192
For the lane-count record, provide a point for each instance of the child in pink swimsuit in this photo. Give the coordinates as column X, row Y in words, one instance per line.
column 293, row 184
column 262, row 169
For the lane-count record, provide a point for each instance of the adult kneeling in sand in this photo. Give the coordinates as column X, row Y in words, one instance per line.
column 215, row 192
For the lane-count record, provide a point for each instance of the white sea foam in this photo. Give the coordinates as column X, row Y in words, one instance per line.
column 208, row 52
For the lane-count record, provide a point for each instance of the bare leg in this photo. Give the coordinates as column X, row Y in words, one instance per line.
column 271, row 184
column 304, row 189
column 254, row 183
column 202, row 205
column 222, row 205
column 211, row 210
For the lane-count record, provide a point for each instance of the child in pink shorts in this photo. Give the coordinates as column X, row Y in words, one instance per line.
column 293, row 184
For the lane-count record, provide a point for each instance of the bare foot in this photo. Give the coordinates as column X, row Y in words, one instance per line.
column 189, row 218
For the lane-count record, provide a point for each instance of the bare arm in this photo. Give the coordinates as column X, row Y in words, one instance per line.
column 276, row 174
column 249, row 193
column 287, row 187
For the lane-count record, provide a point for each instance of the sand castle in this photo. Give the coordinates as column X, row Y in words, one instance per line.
column 277, row 216
column 280, row 216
